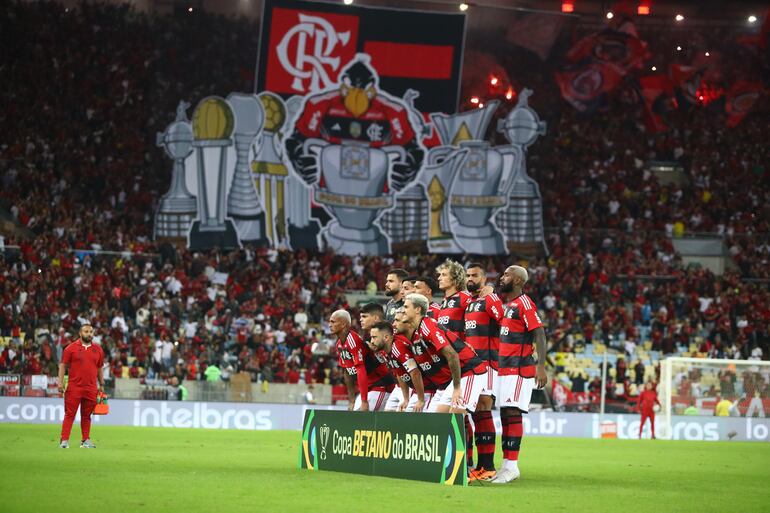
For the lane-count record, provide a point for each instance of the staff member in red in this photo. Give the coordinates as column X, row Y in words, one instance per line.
column 647, row 401
column 84, row 359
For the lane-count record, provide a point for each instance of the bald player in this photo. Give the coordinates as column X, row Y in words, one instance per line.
column 519, row 373
column 367, row 377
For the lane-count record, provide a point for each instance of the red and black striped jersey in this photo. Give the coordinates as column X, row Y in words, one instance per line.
column 401, row 360
column 482, row 328
column 452, row 313
column 433, row 310
column 353, row 353
column 517, row 338
column 428, row 341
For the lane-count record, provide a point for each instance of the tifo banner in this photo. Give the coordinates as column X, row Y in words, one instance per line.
column 305, row 45
column 423, row 447
column 331, row 154
column 250, row 168
column 261, row 416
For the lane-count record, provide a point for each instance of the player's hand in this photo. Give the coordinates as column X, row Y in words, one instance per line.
column 486, row 290
column 402, row 175
column 364, row 406
column 351, row 405
column 541, row 377
column 457, row 400
column 402, row 405
column 418, row 406
column 61, row 389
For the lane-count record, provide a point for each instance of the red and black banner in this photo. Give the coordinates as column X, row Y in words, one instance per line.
column 585, row 85
column 305, row 45
column 615, row 48
column 741, row 99
column 657, row 93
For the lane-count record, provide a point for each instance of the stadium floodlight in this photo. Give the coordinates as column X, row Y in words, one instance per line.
column 679, row 17
column 654, row 68
column 678, row 48
column 752, row 19
column 610, row 15
column 699, row 382
column 463, row 6
column 347, row 2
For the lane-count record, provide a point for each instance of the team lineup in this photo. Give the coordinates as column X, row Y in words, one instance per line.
column 473, row 350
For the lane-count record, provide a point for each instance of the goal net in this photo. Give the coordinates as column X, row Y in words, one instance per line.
column 694, row 386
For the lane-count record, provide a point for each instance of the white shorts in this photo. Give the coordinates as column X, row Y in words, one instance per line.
column 514, row 392
column 413, row 400
column 376, row 399
column 395, row 398
column 471, row 387
column 489, row 386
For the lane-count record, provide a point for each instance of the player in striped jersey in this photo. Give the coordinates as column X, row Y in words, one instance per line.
column 445, row 360
column 426, row 286
column 397, row 349
column 371, row 314
column 482, row 332
column 452, row 280
column 367, row 376
column 519, row 372
column 451, row 316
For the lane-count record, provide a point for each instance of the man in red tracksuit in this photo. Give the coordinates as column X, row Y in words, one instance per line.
column 85, row 360
column 647, row 401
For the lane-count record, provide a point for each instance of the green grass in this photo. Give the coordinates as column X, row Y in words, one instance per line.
column 223, row 471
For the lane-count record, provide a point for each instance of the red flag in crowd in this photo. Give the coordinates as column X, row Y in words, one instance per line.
column 619, row 49
column 657, row 93
column 686, row 80
column 741, row 99
column 584, row 84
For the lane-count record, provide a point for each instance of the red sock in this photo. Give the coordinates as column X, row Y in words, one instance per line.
column 485, row 439
column 469, row 440
column 513, row 431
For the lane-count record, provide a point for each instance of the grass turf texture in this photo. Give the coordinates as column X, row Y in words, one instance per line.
column 188, row 470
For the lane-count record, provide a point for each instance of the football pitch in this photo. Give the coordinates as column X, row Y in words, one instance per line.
column 190, row 470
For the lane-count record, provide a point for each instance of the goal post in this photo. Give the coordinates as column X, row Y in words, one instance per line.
column 693, row 386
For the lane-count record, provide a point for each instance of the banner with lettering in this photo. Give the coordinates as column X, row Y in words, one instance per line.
column 401, row 445
column 305, row 45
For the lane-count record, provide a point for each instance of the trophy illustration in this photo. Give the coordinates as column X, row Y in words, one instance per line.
column 323, row 431
column 212, row 128
column 243, row 205
column 522, row 220
column 444, row 162
column 177, row 207
column 353, row 177
column 269, row 172
column 478, row 189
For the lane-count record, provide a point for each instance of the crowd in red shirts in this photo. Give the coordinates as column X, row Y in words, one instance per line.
column 79, row 171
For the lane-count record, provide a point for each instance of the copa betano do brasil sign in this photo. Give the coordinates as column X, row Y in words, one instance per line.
column 401, row 445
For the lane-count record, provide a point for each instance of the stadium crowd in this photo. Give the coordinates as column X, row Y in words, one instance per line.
column 79, row 172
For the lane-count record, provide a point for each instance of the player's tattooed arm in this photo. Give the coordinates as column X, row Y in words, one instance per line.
column 404, row 394
column 454, row 364
column 350, row 383
column 541, row 377
column 419, row 389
